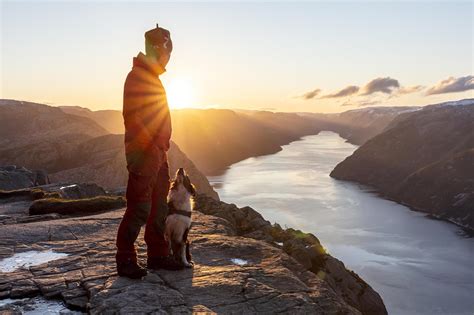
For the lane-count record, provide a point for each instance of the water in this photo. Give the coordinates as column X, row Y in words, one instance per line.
column 417, row 264
column 28, row 259
column 35, row 306
column 238, row 261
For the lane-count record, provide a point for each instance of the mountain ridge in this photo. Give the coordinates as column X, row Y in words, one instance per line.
column 423, row 159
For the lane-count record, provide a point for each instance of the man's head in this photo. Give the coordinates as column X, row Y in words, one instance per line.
column 158, row 45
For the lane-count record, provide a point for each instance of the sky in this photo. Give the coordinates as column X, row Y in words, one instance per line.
column 279, row 56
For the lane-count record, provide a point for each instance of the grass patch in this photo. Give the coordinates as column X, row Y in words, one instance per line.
column 77, row 206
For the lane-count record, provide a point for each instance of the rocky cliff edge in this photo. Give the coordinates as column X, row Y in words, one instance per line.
column 243, row 264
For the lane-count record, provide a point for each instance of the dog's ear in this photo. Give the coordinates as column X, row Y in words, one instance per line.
column 178, row 178
column 174, row 185
column 189, row 186
column 193, row 190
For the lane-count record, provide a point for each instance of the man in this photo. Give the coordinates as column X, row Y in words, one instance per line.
column 147, row 136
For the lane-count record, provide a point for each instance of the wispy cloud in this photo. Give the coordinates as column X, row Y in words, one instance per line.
column 347, row 91
column 384, row 85
column 311, row 94
column 452, row 84
column 410, row 89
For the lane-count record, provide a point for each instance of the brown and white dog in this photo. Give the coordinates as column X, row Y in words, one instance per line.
column 178, row 221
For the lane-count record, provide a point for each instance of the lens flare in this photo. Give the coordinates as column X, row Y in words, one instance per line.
column 180, row 94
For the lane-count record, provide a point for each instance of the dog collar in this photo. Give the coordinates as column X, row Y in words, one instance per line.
column 173, row 210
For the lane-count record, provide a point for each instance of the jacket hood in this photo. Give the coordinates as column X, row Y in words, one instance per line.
column 149, row 64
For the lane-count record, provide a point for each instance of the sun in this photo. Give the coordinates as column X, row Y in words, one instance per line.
column 180, row 94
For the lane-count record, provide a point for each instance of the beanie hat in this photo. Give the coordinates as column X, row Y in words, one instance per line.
column 159, row 37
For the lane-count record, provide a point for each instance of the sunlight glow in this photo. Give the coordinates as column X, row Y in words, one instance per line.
column 180, row 94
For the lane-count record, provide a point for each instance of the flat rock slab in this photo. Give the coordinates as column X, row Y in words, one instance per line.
column 232, row 274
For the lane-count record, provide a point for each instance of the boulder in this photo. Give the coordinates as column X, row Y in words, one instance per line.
column 80, row 191
column 13, row 177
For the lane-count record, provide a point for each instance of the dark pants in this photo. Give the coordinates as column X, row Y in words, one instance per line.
column 146, row 203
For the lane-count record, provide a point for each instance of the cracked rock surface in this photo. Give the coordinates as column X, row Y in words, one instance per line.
column 233, row 272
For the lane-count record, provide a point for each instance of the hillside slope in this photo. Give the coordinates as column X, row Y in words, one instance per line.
column 424, row 159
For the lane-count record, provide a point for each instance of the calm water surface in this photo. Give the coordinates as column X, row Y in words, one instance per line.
column 418, row 265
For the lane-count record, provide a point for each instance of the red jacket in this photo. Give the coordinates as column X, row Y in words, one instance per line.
column 146, row 116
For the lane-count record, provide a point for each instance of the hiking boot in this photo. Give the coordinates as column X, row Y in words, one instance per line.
column 164, row 262
column 130, row 269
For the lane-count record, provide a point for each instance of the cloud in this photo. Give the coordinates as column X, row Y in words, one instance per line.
column 410, row 89
column 451, row 85
column 383, row 85
column 351, row 89
column 348, row 103
column 311, row 94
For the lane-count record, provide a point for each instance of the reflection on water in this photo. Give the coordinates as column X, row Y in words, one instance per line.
column 418, row 265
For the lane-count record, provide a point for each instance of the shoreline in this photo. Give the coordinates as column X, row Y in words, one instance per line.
column 221, row 172
column 466, row 228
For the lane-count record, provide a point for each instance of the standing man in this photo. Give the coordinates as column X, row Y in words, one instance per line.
column 147, row 138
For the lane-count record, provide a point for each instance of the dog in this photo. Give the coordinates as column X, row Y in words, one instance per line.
column 178, row 221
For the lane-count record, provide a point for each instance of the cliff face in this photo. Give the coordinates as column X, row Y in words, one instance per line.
column 239, row 268
column 423, row 159
column 73, row 148
column 305, row 248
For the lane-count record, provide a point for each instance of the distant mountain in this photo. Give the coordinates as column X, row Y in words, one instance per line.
column 214, row 139
column 424, row 159
column 72, row 148
column 359, row 125
column 22, row 123
column 111, row 120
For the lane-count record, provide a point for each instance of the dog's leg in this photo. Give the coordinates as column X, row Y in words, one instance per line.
column 189, row 258
column 175, row 247
column 187, row 247
column 183, row 255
